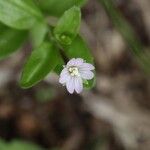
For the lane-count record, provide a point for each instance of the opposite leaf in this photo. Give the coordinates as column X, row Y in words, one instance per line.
column 10, row 41
column 38, row 34
column 19, row 14
column 40, row 63
column 68, row 26
column 79, row 49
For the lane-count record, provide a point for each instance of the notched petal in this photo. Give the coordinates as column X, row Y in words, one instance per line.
column 71, row 62
column 70, row 85
column 88, row 75
column 64, row 72
column 78, row 85
column 87, row 66
column 79, row 61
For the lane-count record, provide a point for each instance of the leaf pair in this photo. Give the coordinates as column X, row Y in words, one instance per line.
column 24, row 15
column 66, row 33
column 47, row 58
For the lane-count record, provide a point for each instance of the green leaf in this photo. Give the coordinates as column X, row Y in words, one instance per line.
column 18, row 145
column 88, row 84
column 10, row 40
column 60, row 64
column 38, row 34
column 58, row 68
column 3, row 145
column 79, row 49
column 42, row 60
column 68, row 26
column 19, row 14
column 58, row 7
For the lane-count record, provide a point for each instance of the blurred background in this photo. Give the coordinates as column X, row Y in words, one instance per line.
column 114, row 115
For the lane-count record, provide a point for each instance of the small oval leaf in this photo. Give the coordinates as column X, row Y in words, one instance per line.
column 40, row 63
column 68, row 26
column 79, row 49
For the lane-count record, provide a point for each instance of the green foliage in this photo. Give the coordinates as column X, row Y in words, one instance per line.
column 38, row 34
column 40, row 63
column 58, row 7
column 68, row 26
column 10, row 40
column 18, row 145
column 51, row 44
column 59, row 66
column 19, row 14
column 79, row 49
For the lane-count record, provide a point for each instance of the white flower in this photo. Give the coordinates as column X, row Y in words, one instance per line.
column 74, row 73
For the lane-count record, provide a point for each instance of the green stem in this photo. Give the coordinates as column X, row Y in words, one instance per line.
column 61, row 50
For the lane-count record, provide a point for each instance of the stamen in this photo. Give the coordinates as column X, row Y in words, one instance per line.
column 73, row 71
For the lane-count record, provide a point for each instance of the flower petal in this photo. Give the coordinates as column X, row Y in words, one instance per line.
column 64, row 78
column 88, row 75
column 78, row 85
column 86, row 66
column 64, row 71
column 70, row 85
column 71, row 62
column 79, row 61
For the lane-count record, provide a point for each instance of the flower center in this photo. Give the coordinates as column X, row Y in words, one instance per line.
column 73, row 71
